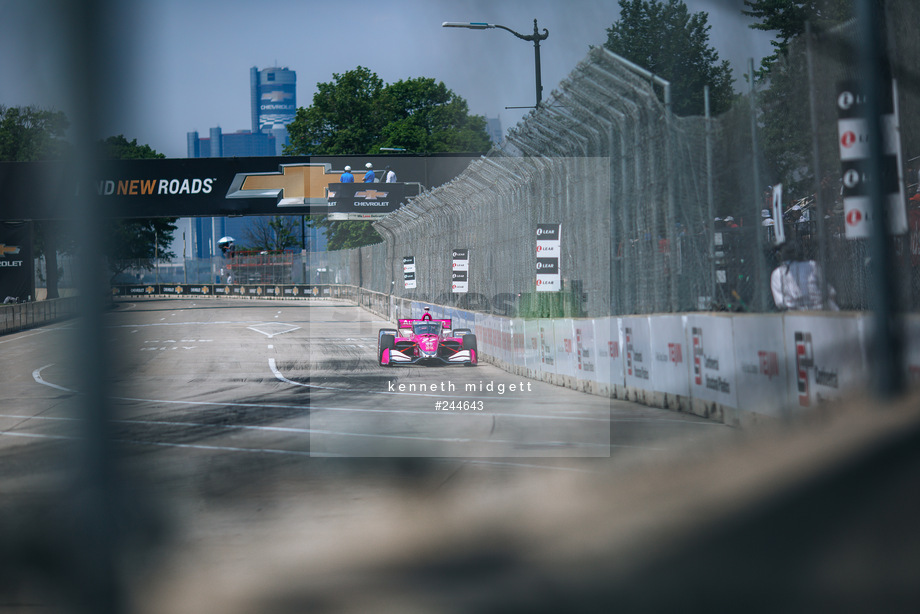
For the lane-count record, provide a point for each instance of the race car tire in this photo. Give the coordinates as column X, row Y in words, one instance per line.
column 380, row 334
column 386, row 342
column 469, row 343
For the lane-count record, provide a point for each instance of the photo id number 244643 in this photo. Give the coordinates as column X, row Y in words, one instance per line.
column 458, row 405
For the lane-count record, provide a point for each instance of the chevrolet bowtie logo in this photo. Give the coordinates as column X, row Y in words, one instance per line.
column 295, row 185
column 370, row 194
column 8, row 249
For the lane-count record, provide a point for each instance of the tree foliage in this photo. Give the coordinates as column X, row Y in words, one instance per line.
column 273, row 233
column 666, row 39
column 31, row 133
column 346, row 234
column 136, row 242
column 788, row 18
column 785, row 121
column 357, row 113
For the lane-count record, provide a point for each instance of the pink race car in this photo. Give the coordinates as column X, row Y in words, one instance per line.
column 426, row 340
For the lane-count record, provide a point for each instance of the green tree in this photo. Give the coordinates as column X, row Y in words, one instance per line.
column 425, row 116
column 28, row 134
column 142, row 241
column 666, row 39
column 785, row 121
column 788, row 18
column 346, row 234
column 273, row 233
column 31, row 133
column 357, row 113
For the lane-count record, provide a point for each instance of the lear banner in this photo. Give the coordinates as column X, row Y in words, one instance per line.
column 16, row 279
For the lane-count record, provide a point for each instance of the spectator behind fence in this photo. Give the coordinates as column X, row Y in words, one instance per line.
column 796, row 282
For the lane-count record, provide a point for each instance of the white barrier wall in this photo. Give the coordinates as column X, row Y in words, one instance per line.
column 760, row 363
column 730, row 367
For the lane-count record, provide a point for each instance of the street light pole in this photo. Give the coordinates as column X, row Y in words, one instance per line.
column 536, row 37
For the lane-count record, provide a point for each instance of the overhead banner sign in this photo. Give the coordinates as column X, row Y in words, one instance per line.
column 16, row 279
column 549, row 252
column 459, row 271
column 376, row 199
column 409, row 272
column 218, row 187
column 853, row 132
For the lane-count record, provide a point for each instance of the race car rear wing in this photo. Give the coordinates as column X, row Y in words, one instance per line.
column 407, row 323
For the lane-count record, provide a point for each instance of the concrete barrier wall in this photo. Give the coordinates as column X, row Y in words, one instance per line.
column 734, row 368
column 28, row 315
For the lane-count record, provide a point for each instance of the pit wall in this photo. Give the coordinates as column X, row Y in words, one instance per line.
column 21, row 316
column 738, row 369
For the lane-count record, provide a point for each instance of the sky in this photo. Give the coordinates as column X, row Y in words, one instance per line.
column 183, row 65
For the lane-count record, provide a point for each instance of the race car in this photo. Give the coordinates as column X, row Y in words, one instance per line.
column 426, row 340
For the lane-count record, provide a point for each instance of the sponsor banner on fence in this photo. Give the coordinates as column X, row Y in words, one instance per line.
column 854, row 144
column 669, row 355
column 712, row 359
column 549, row 251
column 760, row 361
column 459, row 270
column 409, row 272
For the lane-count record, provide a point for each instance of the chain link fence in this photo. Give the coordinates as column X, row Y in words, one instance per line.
column 658, row 213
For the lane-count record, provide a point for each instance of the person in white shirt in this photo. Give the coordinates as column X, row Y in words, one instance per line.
column 796, row 282
column 390, row 175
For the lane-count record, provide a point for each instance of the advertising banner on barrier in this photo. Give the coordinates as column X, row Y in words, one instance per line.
column 712, row 359
column 532, row 358
column 638, row 352
column 585, row 353
column 669, row 355
column 564, row 333
column 820, row 357
column 17, row 281
column 199, row 289
column 760, row 358
column 608, row 341
column 547, row 343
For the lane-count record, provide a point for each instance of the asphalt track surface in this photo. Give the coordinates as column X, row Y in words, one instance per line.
column 231, row 414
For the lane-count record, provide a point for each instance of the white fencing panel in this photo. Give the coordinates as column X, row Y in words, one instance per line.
column 519, row 342
column 547, row 341
column 565, row 348
column 585, row 351
column 504, row 328
column 669, row 355
column 638, row 352
column 824, row 356
column 760, row 358
column 532, row 350
column 712, row 359
column 604, row 364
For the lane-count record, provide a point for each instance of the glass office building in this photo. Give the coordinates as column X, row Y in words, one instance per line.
column 273, row 102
